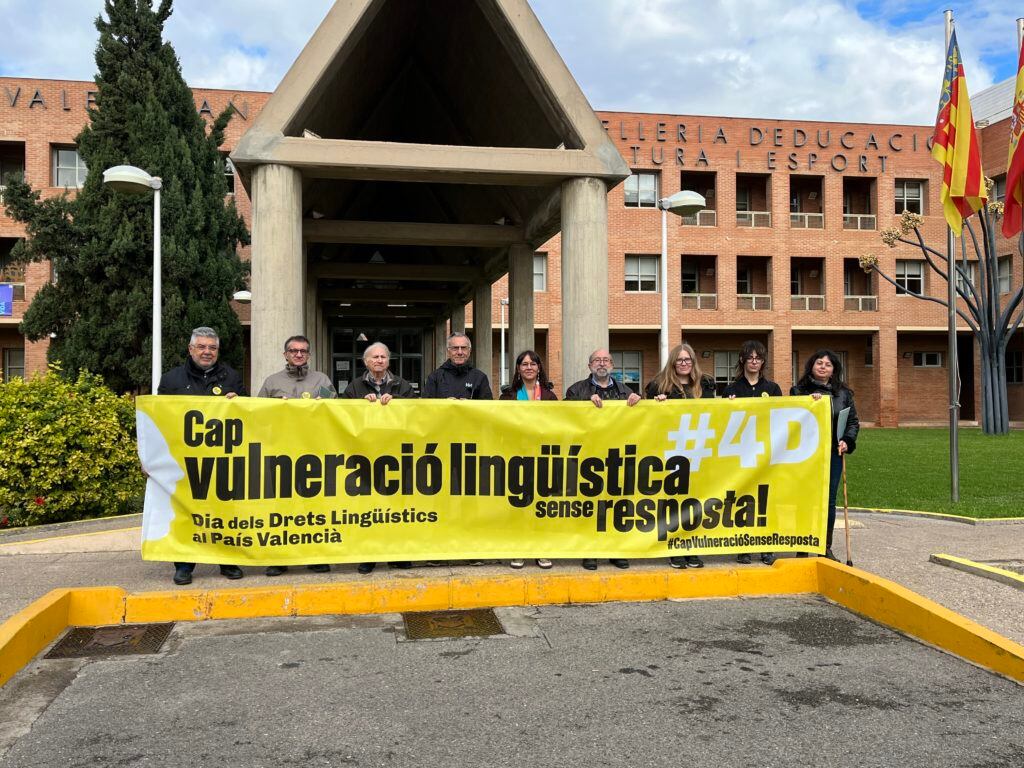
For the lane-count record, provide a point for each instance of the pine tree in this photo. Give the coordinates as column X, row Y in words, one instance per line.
column 100, row 241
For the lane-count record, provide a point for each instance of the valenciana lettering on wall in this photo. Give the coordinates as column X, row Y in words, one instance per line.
column 33, row 97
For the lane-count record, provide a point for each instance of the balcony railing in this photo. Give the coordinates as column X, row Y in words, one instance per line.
column 807, row 220
column 700, row 301
column 860, row 303
column 700, row 219
column 756, row 301
column 858, row 221
column 806, row 302
column 753, row 218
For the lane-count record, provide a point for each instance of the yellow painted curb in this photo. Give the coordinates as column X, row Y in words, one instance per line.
column 980, row 569
column 27, row 633
column 947, row 516
column 886, row 602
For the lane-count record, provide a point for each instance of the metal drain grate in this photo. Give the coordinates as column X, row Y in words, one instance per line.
column 433, row 625
column 116, row 640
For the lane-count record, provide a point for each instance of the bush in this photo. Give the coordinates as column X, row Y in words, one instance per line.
column 68, row 450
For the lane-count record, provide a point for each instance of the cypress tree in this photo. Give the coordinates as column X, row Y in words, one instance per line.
column 100, row 241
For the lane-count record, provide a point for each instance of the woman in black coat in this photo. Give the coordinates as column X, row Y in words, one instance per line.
column 823, row 375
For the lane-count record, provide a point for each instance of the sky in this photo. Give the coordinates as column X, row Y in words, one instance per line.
column 844, row 60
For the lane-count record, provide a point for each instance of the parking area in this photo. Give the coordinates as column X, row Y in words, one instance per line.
column 737, row 682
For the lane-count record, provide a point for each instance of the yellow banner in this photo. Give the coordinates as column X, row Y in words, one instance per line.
column 292, row 482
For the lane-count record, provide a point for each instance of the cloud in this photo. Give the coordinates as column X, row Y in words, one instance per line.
column 870, row 61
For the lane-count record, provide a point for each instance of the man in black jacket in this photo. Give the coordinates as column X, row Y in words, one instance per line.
column 601, row 386
column 378, row 383
column 203, row 374
column 456, row 379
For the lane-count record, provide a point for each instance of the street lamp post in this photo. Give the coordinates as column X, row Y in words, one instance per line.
column 503, row 368
column 135, row 181
column 683, row 203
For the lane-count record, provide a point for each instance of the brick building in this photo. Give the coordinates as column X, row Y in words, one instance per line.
column 791, row 205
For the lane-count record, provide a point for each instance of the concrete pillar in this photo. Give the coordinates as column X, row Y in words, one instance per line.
column 458, row 318
column 440, row 339
column 278, row 282
column 520, row 299
column 311, row 320
column 584, row 273
column 482, row 331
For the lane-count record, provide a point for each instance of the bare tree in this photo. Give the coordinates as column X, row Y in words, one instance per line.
column 992, row 319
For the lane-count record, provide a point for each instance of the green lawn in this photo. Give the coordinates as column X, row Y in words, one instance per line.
column 909, row 469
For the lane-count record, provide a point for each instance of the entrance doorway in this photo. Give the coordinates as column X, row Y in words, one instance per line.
column 349, row 344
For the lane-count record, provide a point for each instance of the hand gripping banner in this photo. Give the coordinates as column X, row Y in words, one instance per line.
column 292, row 482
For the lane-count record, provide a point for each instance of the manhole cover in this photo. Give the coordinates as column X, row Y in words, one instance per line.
column 431, row 625
column 116, row 640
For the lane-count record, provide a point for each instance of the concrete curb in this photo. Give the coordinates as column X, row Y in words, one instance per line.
column 980, row 569
column 30, row 631
column 940, row 516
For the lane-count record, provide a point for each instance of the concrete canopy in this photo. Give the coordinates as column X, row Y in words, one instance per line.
column 429, row 138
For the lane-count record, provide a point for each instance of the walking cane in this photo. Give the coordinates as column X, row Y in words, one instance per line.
column 846, row 514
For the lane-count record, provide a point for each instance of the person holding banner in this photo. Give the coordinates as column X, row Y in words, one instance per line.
column 379, row 385
column 823, row 375
column 297, row 381
column 456, row 379
column 601, row 386
column 681, row 378
column 750, row 382
column 203, row 374
column 529, row 382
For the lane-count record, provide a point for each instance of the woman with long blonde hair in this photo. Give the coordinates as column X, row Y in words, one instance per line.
column 681, row 378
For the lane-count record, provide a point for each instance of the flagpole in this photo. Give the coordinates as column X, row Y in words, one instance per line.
column 951, row 356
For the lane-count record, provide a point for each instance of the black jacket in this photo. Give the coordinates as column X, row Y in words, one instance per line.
column 843, row 398
column 190, row 379
column 586, row 389
column 707, row 389
column 463, row 382
column 742, row 388
column 397, row 387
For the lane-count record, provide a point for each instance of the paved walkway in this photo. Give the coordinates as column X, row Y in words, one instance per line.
column 105, row 553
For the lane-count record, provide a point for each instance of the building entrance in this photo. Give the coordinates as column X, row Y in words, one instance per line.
column 349, row 344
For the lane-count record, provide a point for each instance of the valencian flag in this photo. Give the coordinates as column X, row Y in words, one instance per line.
column 956, row 146
column 1015, row 160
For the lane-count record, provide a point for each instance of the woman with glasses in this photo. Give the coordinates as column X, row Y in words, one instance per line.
column 823, row 375
column 681, row 378
column 529, row 383
column 751, row 382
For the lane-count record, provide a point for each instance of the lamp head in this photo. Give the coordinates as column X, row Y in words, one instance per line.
column 683, row 203
column 128, row 178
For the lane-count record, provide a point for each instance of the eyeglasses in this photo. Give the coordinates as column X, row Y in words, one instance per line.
column 459, row 349
column 601, row 360
column 297, row 351
column 205, row 347
column 755, row 359
column 684, row 361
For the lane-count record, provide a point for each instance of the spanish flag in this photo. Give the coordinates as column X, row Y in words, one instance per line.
column 1015, row 160
column 955, row 145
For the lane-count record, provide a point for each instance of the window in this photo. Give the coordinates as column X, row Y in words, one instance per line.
column 794, row 279
column 971, row 268
column 909, row 277
column 68, row 168
column 642, row 190
column 628, row 366
column 1004, row 271
column 14, row 364
column 642, row 273
column 690, row 279
column 743, row 199
column 10, row 167
column 869, row 352
column 725, row 368
column 846, row 367
column 743, row 281
column 540, row 272
column 909, row 196
column 927, row 359
column 1014, row 366
column 229, row 174
column 999, row 188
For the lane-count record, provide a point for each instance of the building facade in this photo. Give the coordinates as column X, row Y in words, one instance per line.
column 791, row 206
